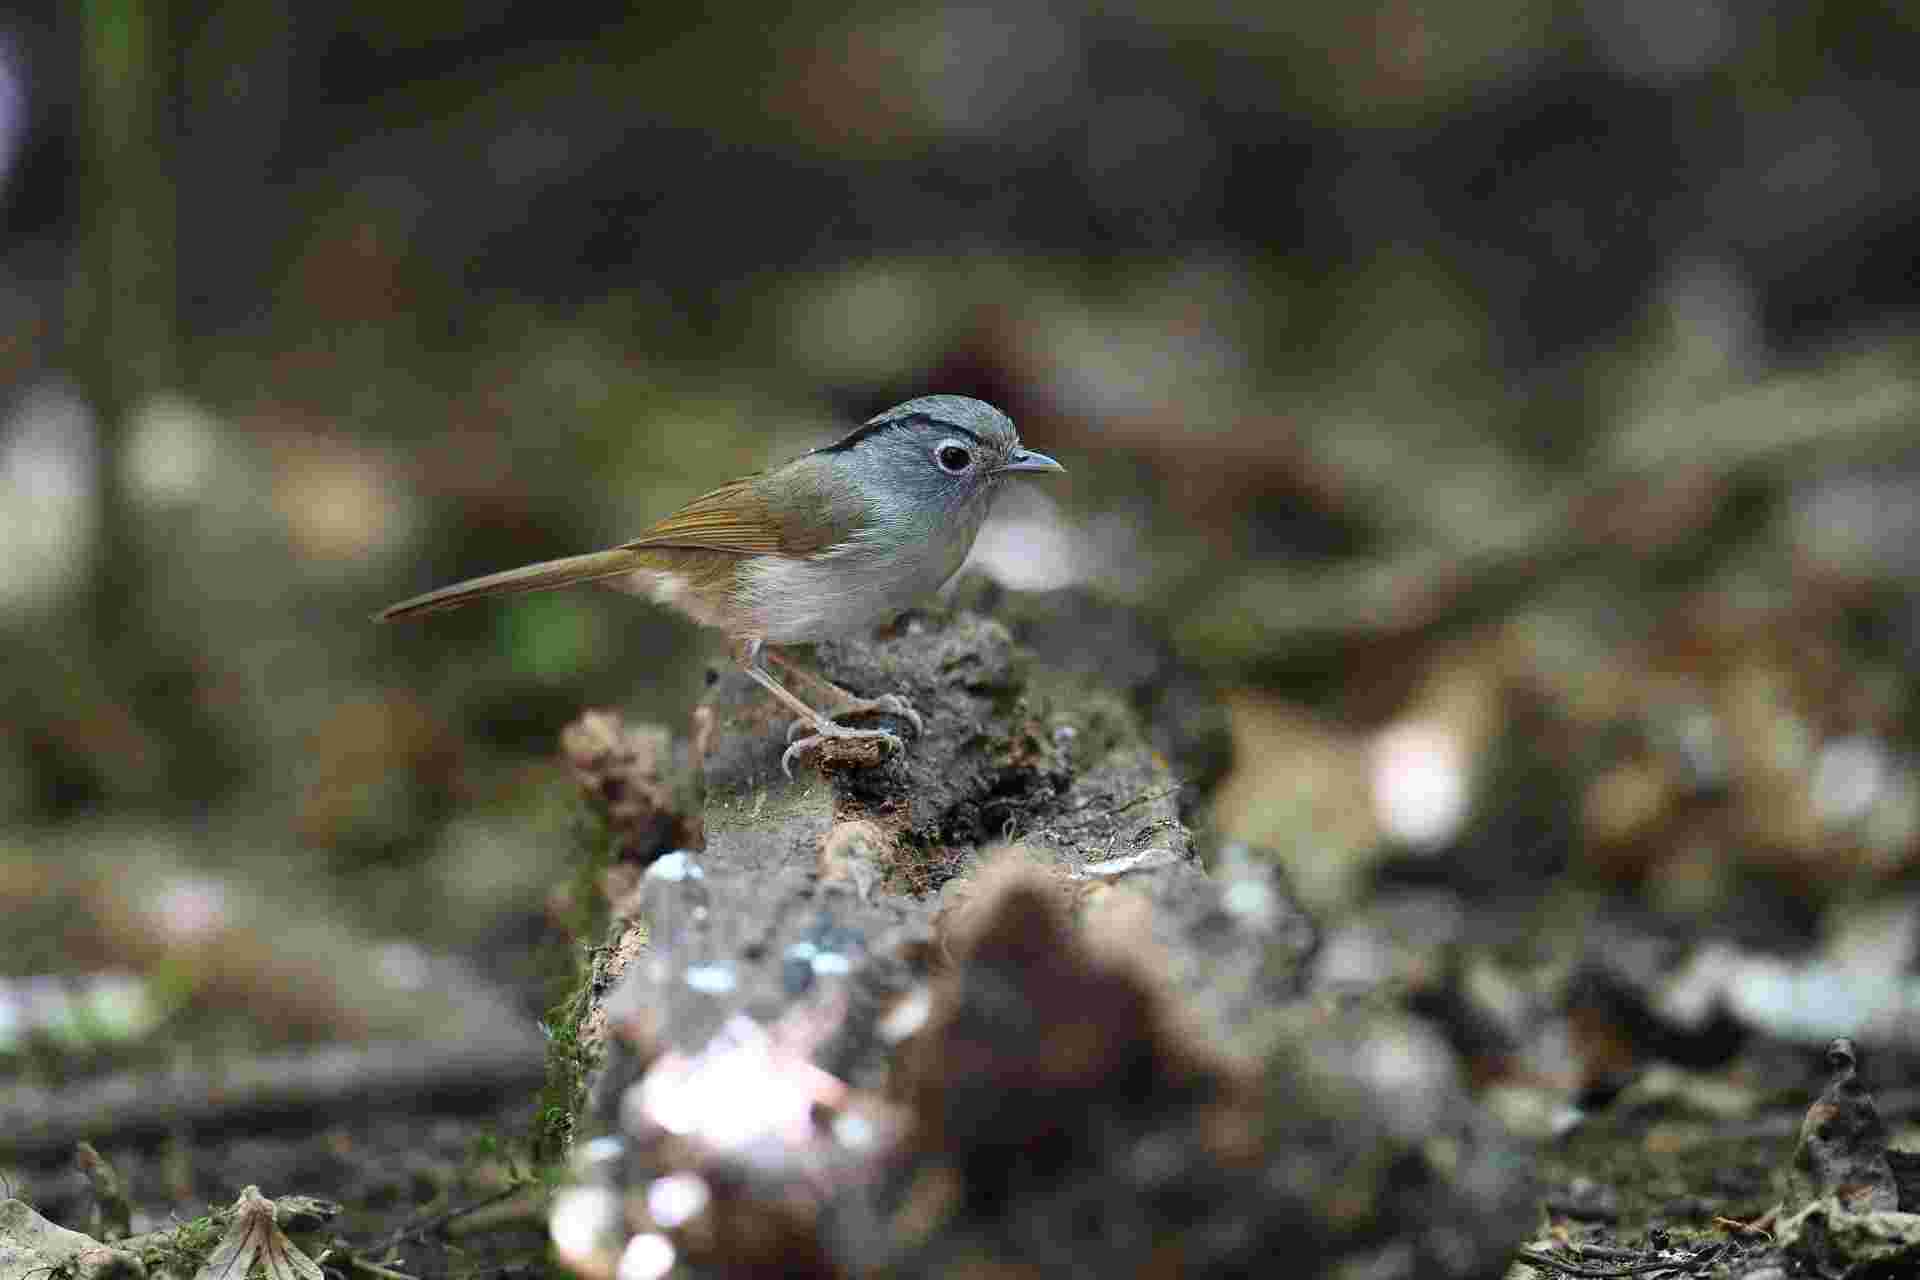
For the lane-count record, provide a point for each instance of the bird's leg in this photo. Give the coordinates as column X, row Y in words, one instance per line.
column 751, row 662
column 845, row 703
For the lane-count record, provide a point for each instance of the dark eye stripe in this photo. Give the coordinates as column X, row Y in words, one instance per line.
column 927, row 419
column 854, row 437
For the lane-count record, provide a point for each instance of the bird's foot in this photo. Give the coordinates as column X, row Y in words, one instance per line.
column 826, row 731
column 891, row 704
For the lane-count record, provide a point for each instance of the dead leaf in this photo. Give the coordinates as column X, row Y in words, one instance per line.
column 253, row 1235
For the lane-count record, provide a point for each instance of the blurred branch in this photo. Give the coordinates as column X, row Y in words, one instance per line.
column 121, row 312
column 468, row 1072
column 120, row 343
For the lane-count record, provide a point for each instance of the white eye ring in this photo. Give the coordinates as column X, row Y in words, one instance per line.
column 953, row 457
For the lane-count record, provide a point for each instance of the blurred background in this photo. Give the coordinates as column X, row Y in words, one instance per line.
column 1508, row 406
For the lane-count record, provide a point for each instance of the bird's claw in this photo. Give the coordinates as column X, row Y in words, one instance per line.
column 891, row 704
column 895, row 705
column 827, row 731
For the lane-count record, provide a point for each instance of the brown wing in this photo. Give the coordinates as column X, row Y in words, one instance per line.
column 733, row 517
column 817, row 508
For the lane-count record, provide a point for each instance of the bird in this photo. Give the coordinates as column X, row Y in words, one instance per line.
column 831, row 543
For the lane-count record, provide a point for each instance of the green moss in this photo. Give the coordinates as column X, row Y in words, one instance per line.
column 1101, row 718
column 1661, row 1156
column 563, row 1096
column 184, row 1250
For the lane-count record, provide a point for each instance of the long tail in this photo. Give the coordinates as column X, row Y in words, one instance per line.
column 533, row 577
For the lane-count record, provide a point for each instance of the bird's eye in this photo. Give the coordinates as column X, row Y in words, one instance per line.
column 953, row 458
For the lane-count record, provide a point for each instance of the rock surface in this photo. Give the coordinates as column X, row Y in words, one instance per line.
column 31, row 1247
column 978, row 1003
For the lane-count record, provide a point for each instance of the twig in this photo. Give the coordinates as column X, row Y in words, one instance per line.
column 498, row 1058
column 1758, row 1227
column 439, row 1220
column 1548, row 1262
column 358, row 1263
column 1141, row 799
column 1606, row 1251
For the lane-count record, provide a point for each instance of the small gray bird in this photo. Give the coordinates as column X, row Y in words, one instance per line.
column 829, row 544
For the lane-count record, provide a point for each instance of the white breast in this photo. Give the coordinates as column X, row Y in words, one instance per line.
column 847, row 590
